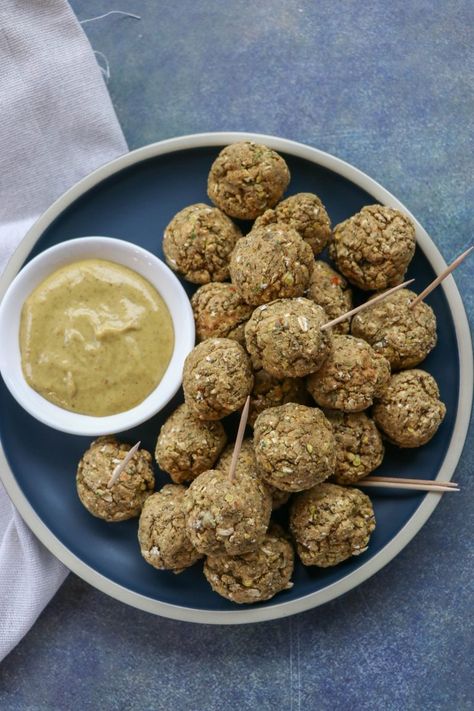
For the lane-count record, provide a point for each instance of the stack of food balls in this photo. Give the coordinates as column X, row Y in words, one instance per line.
column 259, row 311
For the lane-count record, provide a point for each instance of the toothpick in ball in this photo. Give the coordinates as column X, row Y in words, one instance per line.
column 122, row 465
column 366, row 304
column 239, row 438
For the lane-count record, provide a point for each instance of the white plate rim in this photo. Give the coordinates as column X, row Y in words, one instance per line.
column 414, row 523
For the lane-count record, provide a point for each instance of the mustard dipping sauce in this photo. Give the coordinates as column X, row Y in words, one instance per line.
column 95, row 338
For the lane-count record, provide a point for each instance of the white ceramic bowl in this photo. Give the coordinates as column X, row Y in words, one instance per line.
column 121, row 252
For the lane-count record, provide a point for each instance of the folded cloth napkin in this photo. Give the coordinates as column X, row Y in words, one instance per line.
column 56, row 125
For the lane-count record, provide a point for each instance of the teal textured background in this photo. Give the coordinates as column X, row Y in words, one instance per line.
column 388, row 87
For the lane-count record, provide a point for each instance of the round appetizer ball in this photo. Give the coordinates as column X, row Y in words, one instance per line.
column 351, row 377
column 246, row 179
column 331, row 523
column 247, row 464
column 256, row 576
column 269, row 263
column 220, row 312
column 331, row 291
column 306, row 214
column 227, row 515
column 403, row 335
column 294, row 447
column 285, row 338
column 125, row 498
column 374, row 247
column 359, row 446
column 409, row 410
column 162, row 534
column 187, row 446
column 198, row 243
column 217, row 378
column 279, row 497
column 269, row 391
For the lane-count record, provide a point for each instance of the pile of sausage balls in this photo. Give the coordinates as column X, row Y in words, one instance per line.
column 321, row 401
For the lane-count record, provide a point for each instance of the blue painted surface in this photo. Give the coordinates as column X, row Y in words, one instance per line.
column 388, row 87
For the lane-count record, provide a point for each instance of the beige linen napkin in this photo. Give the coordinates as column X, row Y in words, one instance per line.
column 57, row 124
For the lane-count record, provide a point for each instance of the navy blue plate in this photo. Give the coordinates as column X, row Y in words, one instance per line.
column 135, row 204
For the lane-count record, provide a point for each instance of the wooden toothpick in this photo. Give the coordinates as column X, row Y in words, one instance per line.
column 121, row 465
column 239, row 438
column 441, row 277
column 387, row 482
column 396, row 480
column 366, row 304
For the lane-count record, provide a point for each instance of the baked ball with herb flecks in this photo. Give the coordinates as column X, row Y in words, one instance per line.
column 246, row 461
column 269, row 391
column 409, row 410
column 285, row 338
column 270, row 263
column 332, row 292
column 220, row 312
column 125, row 498
column 162, row 535
column 374, row 247
column 255, row 576
column 227, row 515
column 306, row 214
column 217, row 378
column 198, row 242
column 247, row 464
column 187, row 446
column 294, row 447
column 330, row 524
column 403, row 335
column 246, row 179
column 351, row 377
column 359, row 446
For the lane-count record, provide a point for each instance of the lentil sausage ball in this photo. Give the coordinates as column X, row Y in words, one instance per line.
column 401, row 334
column 247, row 464
column 306, row 214
column 294, row 447
column 269, row 263
column 246, row 179
column 374, row 247
column 269, row 391
column 217, row 378
column 246, row 461
column 351, row 377
column 187, row 446
column 126, row 497
column 227, row 515
column 198, row 242
column 255, row 576
column 359, row 445
column 331, row 291
column 409, row 410
column 284, row 337
column 331, row 523
column 279, row 497
column 164, row 541
column 220, row 312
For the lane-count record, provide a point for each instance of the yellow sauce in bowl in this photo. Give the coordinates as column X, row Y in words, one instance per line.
column 95, row 337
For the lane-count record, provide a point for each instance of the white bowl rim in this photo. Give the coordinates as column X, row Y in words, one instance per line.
column 424, row 510
column 130, row 255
